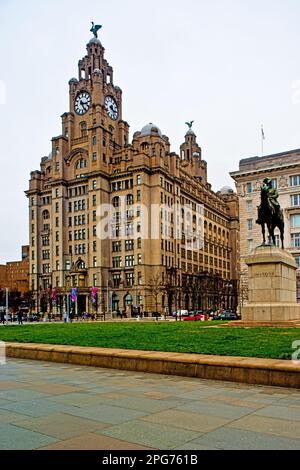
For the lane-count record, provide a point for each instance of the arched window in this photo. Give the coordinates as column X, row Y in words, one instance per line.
column 116, row 202
column 46, row 215
column 81, row 164
column 128, row 300
column 129, row 199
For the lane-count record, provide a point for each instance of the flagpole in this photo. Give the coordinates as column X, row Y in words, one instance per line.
column 262, row 140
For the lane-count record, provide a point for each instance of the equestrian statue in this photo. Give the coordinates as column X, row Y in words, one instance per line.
column 270, row 213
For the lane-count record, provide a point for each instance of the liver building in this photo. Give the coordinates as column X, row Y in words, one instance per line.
column 126, row 226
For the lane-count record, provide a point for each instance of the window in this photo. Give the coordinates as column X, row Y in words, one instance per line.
column 57, row 207
column 94, row 200
column 117, row 280
column 295, row 221
column 95, row 280
column 94, row 184
column 57, row 250
column 94, row 246
column 116, row 262
column 250, row 224
column 94, row 140
column 295, row 200
column 250, row 245
column 129, row 200
column 57, row 222
column 249, row 188
column 129, row 245
column 138, row 196
column 130, row 282
column 249, row 205
column 57, row 236
column 140, row 279
column 129, row 261
column 274, row 183
column 139, row 180
column 94, row 261
column 295, row 180
column 139, row 259
column 94, row 231
column 117, row 247
column 68, row 265
column 116, row 202
column 57, row 193
column 295, row 240
column 139, row 243
column 57, row 166
column 94, row 216
column 46, row 215
column 297, row 259
column 94, row 156
column 81, row 164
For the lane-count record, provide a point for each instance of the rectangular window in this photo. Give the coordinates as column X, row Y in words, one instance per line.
column 249, row 188
column 57, row 166
column 94, row 140
column 139, row 243
column 94, row 261
column 274, row 183
column 57, row 251
column 94, row 246
column 57, row 207
column 295, row 180
column 94, row 200
column 250, row 224
column 129, row 261
column 116, row 280
column 295, row 200
column 139, row 180
column 116, row 262
column 129, row 245
column 140, row 279
column 295, row 221
column 295, row 237
column 94, row 184
column 249, row 205
column 94, row 156
column 95, row 280
column 94, row 216
column 57, row 193
column 297, row 259
column 138, row 196
column 139, row 259
column 130, row 279
column 57, row 222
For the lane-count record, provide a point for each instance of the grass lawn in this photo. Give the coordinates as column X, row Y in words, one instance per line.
column 186, row 337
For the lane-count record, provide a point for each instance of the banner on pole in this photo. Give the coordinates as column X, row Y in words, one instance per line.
column 74, row 294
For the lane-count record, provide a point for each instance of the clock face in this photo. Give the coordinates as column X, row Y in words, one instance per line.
column 82, row 103
column 112, row 108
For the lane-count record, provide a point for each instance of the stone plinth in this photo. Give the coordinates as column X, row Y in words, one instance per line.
column 272, row 286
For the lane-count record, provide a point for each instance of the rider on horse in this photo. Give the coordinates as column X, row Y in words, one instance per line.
column 272, row 197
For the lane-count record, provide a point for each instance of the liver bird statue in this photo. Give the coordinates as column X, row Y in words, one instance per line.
column 95, row 28
column 190, row 124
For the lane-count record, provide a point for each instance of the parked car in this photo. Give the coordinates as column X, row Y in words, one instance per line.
column 197, row 317
column 227, row 316
column 181, row 313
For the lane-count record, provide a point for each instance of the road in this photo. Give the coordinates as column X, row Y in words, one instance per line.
column 56, row 406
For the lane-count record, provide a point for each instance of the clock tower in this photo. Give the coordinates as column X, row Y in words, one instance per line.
column 96, row 103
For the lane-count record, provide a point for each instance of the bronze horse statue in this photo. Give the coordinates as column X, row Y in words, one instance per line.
column 273, row 220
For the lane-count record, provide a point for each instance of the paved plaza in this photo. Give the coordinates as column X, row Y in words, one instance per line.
column 56, row 406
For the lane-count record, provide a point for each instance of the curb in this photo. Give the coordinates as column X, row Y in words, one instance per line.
column 268, row 372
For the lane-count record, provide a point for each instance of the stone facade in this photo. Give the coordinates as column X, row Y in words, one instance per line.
column 284, row 170
column 93, row 165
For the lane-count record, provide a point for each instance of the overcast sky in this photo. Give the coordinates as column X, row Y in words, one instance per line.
column 229, row 65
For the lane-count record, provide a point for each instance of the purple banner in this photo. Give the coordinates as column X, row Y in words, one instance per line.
column 94, row 294
column 54, row 296
column 74, row 294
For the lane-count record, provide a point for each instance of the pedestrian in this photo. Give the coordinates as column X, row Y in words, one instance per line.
column 20, row 317
column 2, row 317
column 66, row 317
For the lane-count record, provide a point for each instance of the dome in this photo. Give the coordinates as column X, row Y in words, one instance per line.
column 190, row 132
column 226, row 190
column 97, row 72
column 73, row 80
column 151, row 128
column 94, row 41
column 50, row 156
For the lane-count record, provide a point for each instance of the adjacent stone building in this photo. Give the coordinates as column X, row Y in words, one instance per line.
column 284, row 169
column 129, row 225
column 15, row 274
